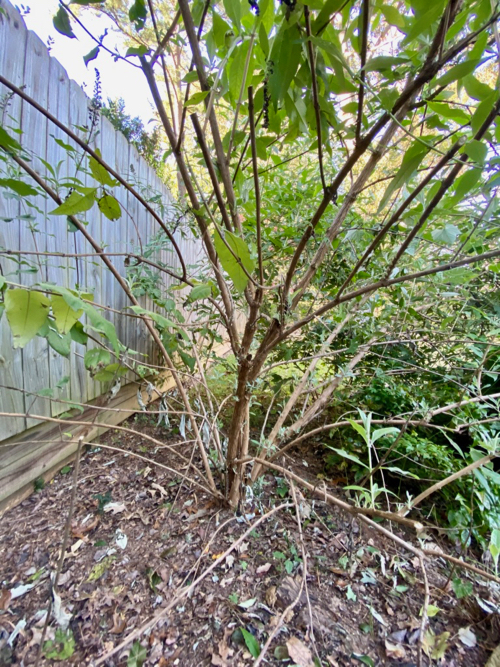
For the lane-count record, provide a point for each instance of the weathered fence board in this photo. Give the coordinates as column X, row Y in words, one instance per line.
column 25, row 61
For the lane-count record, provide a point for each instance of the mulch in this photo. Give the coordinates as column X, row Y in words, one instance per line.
column 140, row 534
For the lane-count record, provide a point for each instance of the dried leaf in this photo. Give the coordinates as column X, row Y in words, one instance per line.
column 19, row 590
column 467, row 637
column 5, row 598
column 116, row 508
column 246, row 604
column 299, row 653
column 61, row 616
column 119, row 624
column 262, row 569
column 394, row 651
column 160, row 488
column 79, row 530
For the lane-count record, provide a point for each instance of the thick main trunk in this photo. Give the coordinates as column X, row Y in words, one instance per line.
column 238, row 438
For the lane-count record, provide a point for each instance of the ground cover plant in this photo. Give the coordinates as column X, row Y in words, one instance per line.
column 338, row 162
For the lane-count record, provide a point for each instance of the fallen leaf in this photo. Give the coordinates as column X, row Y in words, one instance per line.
column 394, row 651
column 79, row 530
column 119, row 624
column 19, row 629
column 59, row 613
column 5, row 598
column 116, row 508
column 299, row 652
column 467, row 637
column 160, row 488
column 121, row 539
column 246, row 604
column 19, row 590
column 262, row 569
column 74, row 547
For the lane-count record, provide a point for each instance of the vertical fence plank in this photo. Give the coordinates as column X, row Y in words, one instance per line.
column 78, row 117
column 25, row 61
column 35, row 127
column 56, row 231
column 12, row 49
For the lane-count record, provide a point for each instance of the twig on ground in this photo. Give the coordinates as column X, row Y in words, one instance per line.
column 425, row 606
column 304, row 568
column 135, row 634
column 294, row 602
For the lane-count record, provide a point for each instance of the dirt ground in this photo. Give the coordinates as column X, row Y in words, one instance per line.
column 140, row 534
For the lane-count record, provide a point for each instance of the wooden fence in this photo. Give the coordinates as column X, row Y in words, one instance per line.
column 27, row 226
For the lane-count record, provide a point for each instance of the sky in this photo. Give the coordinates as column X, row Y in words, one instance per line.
column 118, row 79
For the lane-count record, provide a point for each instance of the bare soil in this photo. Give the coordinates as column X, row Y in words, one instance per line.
column 139, row 534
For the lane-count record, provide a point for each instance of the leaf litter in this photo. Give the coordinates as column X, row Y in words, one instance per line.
column 141, row 534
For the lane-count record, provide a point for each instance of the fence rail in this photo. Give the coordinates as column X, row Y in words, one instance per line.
column 27, row 226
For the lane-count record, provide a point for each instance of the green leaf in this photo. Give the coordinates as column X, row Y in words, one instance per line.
column 381, row 432
column 65, row 317
column 413, row 157
column 26, row 312
column 475, row 89
column 62, row 23
column 459, row 276
column 251, row 642
column 100, row 173
column 233, row 11
column 446, row 234
column 286, row 56
column 382, row 63
column 6, row 141
column 110, row 373
column 494, row 546
column 78, row 334
column 199, row 292
column 462, row 588
column 91, row 55
column 482, row 112
column 423, row 22
column 349, row 456
column 75, row 203
column 97, row 321
column 365, row 659
column 191, row 77
column 466, row 182
column 196, row 98
column 393, row 16
column 324, row 17
column 232, row 262
column 138, row 14
column 110, row 207
column 20, row 187
column 237, row 70
column 476, row 150
column 87, row 2
column 137, row 51
column 457, row 72
column 448, row 111
column 137, row 655
column 359, row 428
column 96, row 357
column 59, row 343
column 62, row 647
column 188, row 360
